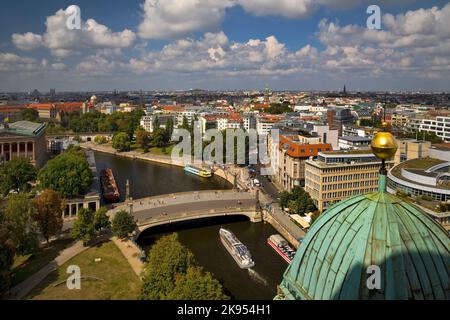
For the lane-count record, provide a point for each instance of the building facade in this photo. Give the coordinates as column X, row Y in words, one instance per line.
column 440, row 126
column 293, row 151
column 23, row 139
column 335, row 176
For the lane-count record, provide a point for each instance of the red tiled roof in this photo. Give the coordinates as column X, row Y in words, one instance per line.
column 299, row 150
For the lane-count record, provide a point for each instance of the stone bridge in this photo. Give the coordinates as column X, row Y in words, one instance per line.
column 177, row 207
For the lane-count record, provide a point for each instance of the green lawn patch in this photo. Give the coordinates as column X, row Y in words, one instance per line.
column 25, row 266
column 112, row 278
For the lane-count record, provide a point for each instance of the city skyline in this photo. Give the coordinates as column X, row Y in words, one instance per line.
column 225, row 45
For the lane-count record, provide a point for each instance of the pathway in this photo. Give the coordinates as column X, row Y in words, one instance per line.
column 131, row 253
column 24, row 288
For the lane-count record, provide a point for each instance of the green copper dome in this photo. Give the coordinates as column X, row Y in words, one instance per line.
column 378, row 229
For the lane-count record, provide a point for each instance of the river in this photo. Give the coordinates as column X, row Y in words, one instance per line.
column 202, row 236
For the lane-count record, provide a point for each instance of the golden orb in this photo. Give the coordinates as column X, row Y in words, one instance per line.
column 384, row 145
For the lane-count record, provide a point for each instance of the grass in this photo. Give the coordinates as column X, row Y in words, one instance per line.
column 25, row 266
column 112, row 278
column 161, row 151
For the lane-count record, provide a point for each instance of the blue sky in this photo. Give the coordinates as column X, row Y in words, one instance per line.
column 224, row 44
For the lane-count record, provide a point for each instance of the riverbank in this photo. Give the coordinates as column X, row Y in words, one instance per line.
column 228, row 174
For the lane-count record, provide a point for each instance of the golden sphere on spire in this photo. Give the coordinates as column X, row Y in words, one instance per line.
column 384, row 145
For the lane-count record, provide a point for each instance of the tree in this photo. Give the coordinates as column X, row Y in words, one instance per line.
column 279, row 108
column 156, row 124
column 166, row 259
column 298, row 201
column 169, row 130
column 196, row 284
column 427, row 136
column 100, row 139
column 29, row 114
column 68, row 174
column 83, row 227
column 123, row 224
column 7, row 252
column 158, row 138
column 48, row 215
column 16, row 175
column 19, row 219
column 143, row 139
column 101, row 219
column 121, row 142
column 171, row 273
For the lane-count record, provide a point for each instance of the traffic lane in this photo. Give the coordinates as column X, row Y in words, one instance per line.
column 192, row 207
column 268, row 186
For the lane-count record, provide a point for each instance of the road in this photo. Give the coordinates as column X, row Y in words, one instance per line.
column 177, row 210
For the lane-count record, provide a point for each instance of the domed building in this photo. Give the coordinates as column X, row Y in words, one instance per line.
column 373, row 246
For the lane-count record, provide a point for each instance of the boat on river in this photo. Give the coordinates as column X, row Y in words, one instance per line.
column 204, row 173
column 281, row 246
column 109, row 186
column 236, row 249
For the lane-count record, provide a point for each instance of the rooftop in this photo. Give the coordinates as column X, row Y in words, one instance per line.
column 26, row 128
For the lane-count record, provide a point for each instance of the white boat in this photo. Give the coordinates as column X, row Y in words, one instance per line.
column 237, row 249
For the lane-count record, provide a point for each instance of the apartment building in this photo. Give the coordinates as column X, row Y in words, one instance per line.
column 293, row 151
column 439, row 125
column 399, row 120
column 338, row 175
column 265, row 122
column 148, row 121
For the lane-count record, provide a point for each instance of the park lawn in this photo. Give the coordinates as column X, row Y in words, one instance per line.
column 110, row 279
column 160, row 152
column 25, row 266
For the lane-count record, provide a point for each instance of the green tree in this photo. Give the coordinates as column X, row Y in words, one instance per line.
column 171, row 273
column 166, row 259
column 30, row 114
column 121, row 142
column 423, row 135
column 143, row 139
column 158, row 138
column 279, row 108
column 185, row 124
column 101, row 219
column 156, row 124
column 16, row 175
column 298, row 201
column 196, row 284
column 19, row 219
column 83, row 227
column 7, row 252
column 169, row 130
column 48, row 215
column 69, row 174
column 123, row 224
column 100, row 139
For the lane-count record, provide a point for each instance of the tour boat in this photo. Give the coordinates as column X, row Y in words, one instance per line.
column 281, row 246
column 236, row 249
column 204, row 173
column 109, row 186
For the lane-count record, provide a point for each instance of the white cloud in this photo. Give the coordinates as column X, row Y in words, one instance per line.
column 63, row 41
column 10, row 62
column 163, row 19
column 27, row 41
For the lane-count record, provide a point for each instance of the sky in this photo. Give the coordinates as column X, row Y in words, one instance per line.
column 224, row 45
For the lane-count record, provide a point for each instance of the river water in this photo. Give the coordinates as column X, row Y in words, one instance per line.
column 202, row 236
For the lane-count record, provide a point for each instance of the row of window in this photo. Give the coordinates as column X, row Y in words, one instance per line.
column 349, row 185
column 417, row 192
column 348, row 193
column 357, row 176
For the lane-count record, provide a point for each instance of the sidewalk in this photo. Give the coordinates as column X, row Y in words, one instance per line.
column 24, row 288
column 131, row 253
